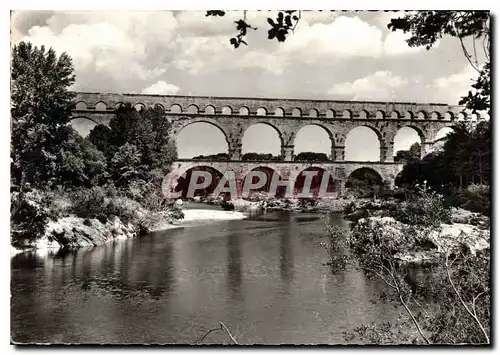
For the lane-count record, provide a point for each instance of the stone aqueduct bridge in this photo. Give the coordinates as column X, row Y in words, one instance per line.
column 233, row 115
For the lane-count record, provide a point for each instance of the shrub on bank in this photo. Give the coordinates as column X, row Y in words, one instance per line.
column 30, row 213
column 103, row 203
column 424, row 207
column 476, row 198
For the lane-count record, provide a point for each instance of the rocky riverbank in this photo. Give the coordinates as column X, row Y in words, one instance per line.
column 77, row 232
column 375, row 220
column 262, row 202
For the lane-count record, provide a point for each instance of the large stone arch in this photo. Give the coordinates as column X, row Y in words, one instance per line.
column 374, row 183
column 333, row 185
column 325, row 128
column 252, row 123
column 179, row 125
column 373, row 128
column 176, row 183
column 269, row 170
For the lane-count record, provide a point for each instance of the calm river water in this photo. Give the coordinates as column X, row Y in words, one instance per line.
column 264, row 278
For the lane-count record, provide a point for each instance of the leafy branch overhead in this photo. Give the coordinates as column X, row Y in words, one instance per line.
column 284, row 23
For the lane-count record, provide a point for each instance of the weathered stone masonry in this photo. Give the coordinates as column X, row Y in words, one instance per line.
column 287, row 116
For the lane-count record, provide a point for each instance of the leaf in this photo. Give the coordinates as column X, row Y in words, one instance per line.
column 271, row 22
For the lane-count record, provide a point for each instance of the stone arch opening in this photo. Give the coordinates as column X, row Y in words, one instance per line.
column 244, row 111
column 441, row 137
column 380, row 115
column 310, row 181
column 279, row 112
column 409, row 115
column 118, row 105
column 346, row 114
column 364, row 182
column 265, row 189
column 202, row 140
column 83, row 125
column 363, row 115
column 313, row 143
column 101, row 106
column 395, row 115
column 226, row 110
column 362, row 144
column 297, row 112
column 139, row 106
column 422, row 115
column 261, row 111
column 209, row 110
column 193, row 109
column 330, row 113
column 195, row 175
column 261, row 141
column 407, row 144
column 436, row 116
column 175, row 108
column 313, row 113
column 81, row 106
column 159, row 108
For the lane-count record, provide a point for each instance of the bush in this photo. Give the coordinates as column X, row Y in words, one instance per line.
column 103, row 203
column 427, row 208
column 475, row 198
column 30, row 213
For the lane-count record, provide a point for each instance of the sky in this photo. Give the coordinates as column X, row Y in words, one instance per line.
column 331, row 55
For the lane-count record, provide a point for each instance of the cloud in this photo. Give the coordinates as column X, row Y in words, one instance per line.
column 451, row 88
column 380, row 85
column 161, row 88
column 119, row 48
column 395, row 44
column 343, row 38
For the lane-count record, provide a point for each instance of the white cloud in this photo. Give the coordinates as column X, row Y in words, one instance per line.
column 161, row 88
column 450, row 89
column 380, row 85
column 395, row 44
column 343, row 38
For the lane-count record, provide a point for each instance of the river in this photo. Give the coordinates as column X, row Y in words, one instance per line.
column 263, row 277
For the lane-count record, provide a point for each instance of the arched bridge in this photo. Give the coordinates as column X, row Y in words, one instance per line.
column 233, row 115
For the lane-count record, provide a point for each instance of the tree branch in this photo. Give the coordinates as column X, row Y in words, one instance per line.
column 463, row 302
column 222, row 326
column 228, row 333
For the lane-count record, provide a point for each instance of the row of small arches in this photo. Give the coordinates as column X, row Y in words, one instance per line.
column 296, row 112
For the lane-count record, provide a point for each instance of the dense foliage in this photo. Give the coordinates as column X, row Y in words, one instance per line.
column 136, row 145
column 411, row 154
column 464, row 160
column 311, row 156
column 41, row 107
column 113, row 172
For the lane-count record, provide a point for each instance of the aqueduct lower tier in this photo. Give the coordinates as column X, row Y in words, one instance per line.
column 287, row 116
column 339, row 171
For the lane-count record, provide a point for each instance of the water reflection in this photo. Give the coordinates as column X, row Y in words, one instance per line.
column 264, row 277
column 286, row 253
column 234, row 270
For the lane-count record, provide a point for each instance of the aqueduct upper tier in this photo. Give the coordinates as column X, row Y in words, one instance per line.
column 233, row 115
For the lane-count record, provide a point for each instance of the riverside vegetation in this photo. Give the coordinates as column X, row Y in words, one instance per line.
column 67, row 190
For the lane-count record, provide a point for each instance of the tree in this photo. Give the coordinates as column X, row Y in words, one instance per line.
column 137, row 145
column 41, row 107
column 407, row 155
column 427, row 27
column 311, row 156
